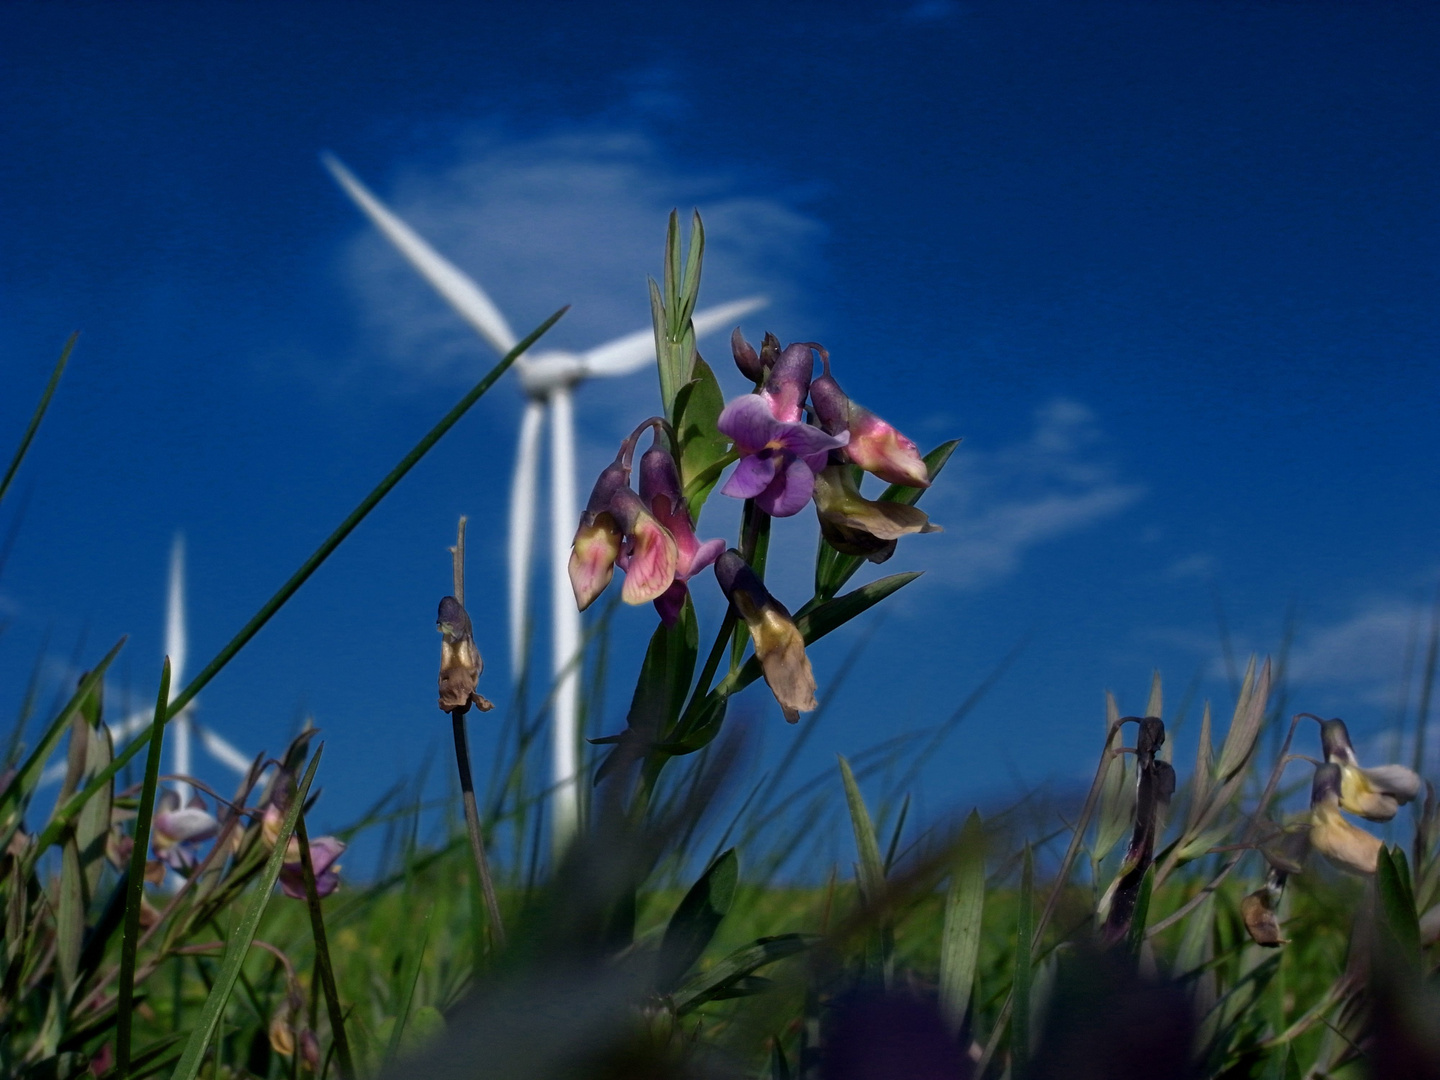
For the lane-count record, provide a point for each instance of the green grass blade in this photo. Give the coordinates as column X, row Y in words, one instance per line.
column 738, row 965
column 135, row 881
column 696, row 919
column 402, row 1014
column 322, row 953
column 30, row 431
column 297, row 579
column 872, row 869
column 1024, row 969
column 964, row 909
column 244, row 932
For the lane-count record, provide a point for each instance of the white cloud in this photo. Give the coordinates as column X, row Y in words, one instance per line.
column 996, row 505
column 575, row 218
column 1363, row 654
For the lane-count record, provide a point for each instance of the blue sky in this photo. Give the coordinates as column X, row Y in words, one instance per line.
column 1170, row 269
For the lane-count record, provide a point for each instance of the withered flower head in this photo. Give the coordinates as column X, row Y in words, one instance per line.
column 1154, row 786
column 1343, row 844
column 1375, row 794
column 1258, row 910
column 778, row 644
column 855, row 525
column 460, row 663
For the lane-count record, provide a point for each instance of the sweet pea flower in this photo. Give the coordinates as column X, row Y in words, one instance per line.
column 1330, row 834
column 874, row 445
column 1375, row 794
column 660, row 490
column 855, row 525
column 324, row 850
column 617, row 530
column 778, row 458
column 180, row 830
column 778, row 644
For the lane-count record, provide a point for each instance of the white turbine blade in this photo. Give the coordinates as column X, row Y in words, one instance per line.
column 175, row 646
column 565, row 736
column 460, row 291
column 522, row 529
column 222, row 751
column 633, row 351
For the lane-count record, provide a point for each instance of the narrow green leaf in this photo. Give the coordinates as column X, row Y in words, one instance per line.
column 1155, row 703
column 135, row 880
column 738, row 965
column 92, row 827
column 872, row 870
column 665, row 676
column 39, row 415
column 690, row 282
column 407, row 995
column 695, row 921
column 1397, row 905
column 241, row 937
column 1117, row 797
column 1203, row 778
column 702, row 446
column 964, row 909
column 14, row 797
column 323, row 963
column 70, row 915
column 1024, row 969
column 1197, row 944
column 1245, row 724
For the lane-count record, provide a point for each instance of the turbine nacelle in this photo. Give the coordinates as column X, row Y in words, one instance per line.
column 543, row 373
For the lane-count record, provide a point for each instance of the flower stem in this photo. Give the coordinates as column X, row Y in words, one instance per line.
column 472, row 825
column 322, row 954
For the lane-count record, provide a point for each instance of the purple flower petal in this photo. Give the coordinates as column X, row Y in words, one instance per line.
column 803, row 440
column 753, row 475
column 789, row 492
column 669, row 603
column 705, row 554
column 748, row 423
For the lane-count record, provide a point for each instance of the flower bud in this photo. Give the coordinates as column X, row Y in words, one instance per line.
column 282, row 1033
column 598, row 539
column 746, row 358
column 874, row 445
column 778, row 643
column 789, row 382
column 1258, row 911
column 855, row 525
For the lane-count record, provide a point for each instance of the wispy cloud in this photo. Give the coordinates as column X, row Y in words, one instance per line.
column 998, row 504
column 1363, row 655
column 575, row 218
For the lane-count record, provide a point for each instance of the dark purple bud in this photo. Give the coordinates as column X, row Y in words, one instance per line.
column 1335, row 741
column 789, row 382
column 769, row 351
column 615, row 476
column 746, row 358
column 659, row 479
column 1327, row 783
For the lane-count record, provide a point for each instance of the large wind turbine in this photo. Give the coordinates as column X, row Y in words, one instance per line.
column 179, row 730
column 549, row 380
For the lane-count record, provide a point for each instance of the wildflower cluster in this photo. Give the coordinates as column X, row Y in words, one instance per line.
column 795, row 440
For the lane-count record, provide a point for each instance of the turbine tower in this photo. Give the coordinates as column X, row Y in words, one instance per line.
column 180, row 729
column 548, row 380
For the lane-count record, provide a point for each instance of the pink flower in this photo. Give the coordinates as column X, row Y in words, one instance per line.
column 179, row 831
column 660, row 491
column 874, row 445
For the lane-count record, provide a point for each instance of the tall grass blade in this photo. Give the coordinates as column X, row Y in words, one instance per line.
column 1024, row 970
column 297, row 579
column 402, row 1014
column 872, row 869
column 964, row 910
column 39, row 415
column 322, row 948
column 135, row 882
column 241, row 936
column 695, row 921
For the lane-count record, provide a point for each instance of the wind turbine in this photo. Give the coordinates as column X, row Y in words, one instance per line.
column 180, row 729
column 549, row 380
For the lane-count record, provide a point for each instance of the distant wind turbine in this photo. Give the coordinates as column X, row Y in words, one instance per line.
column 179, row 729
column 549, row 380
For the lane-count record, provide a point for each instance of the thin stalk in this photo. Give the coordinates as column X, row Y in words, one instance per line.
column 39, row 415
column 322, row 955
column 135, row 883
column 472, row 825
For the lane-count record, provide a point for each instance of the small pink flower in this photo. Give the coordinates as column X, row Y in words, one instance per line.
column 324, row 850
column 874, row 445
column 179, row 831
column 649, row 555
column 779, row 458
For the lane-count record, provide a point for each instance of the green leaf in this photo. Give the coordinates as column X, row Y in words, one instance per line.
column 397, row 1031
column 70, row 915
column 1397, row 905
column 92, row 827
column 696, row 919
column 701, row 445
column 665, row 676
column 690, row 282
column 241, row 937
column 833, row 569
column 1117, row 798
column 740, row 964
column 135, row 879
column 1203, row 779
column 39, row 415
column 1024, row 968
column 872, row 869
column 1245, row 724
column 964, row 909
column 1135, row 934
